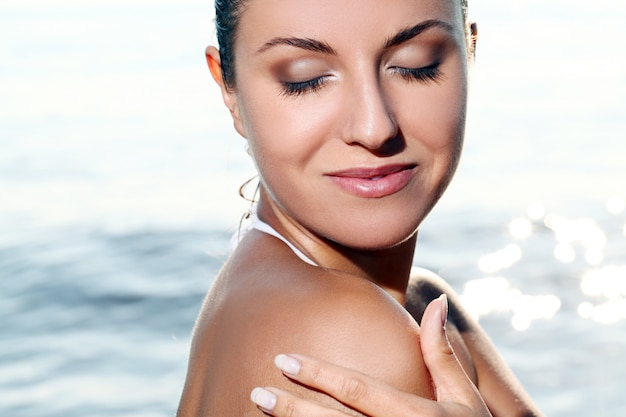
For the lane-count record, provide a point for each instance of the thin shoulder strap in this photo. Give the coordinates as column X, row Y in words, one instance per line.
column 266, row 228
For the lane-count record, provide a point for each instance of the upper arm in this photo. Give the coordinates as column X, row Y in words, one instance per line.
column 348, row 323
column 360, row 327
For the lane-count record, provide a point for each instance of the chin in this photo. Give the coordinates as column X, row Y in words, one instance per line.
column 373, row 237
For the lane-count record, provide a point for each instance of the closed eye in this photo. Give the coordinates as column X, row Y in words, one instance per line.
column 423, row 74
column 301, row 87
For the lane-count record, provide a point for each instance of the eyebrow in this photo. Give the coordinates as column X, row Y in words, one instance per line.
column 412, row 32
column 302, row 43
column 318, row 46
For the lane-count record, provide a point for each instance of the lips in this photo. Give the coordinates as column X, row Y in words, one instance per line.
column 374, row 182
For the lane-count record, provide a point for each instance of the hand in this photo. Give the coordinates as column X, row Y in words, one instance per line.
column 456, row 394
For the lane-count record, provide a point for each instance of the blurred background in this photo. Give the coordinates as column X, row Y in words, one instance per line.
column 119, row 172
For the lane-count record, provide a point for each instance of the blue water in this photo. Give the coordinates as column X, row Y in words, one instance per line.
column 119, row 173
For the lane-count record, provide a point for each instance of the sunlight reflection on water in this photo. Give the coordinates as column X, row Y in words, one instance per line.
column 494, row 294
column 606, row 284
column 502, row 259
column 119, row 171
column 616, row 205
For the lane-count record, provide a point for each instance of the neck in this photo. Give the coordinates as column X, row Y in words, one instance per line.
column 388, row 268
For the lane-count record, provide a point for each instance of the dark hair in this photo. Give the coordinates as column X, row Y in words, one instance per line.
column 227, row 13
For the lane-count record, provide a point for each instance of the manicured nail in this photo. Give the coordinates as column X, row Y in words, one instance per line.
column 263, row 398
column 444, row 309
column 287, row 364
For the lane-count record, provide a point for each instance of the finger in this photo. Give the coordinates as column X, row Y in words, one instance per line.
column 451, row 382
column 357, row 390
column 279, row 403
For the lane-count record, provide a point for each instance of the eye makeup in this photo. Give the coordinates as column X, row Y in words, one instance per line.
column 424, row 74
column 302, row 75
column 302, row 87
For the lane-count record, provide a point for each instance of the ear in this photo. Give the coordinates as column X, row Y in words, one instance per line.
column 228, row 93
column 473, row 39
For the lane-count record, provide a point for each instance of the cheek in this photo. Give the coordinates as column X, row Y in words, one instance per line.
column 436, row 119
column 287, row 137
column 286, row 131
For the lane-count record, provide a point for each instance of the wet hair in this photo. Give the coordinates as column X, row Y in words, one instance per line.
column 227, row 14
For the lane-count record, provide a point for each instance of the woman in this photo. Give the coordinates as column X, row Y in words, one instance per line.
column 354, row 113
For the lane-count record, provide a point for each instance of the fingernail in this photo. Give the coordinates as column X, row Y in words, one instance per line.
column 263, row 398
column 444, row 309
column 287, row 364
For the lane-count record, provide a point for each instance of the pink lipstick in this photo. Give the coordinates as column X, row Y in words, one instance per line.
column 374, row 182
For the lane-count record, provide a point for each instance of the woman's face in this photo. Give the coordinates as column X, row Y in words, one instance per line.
column 354, row 110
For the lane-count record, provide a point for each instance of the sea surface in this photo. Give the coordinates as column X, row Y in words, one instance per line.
column 119, row 171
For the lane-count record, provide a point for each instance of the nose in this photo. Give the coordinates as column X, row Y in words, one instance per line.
column 370, row 121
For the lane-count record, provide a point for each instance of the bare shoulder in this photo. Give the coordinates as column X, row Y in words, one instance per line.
column 500, row 389
column 254, row 313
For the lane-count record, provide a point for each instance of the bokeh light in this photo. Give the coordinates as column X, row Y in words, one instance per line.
column 608, row 282
column 521, row 228
column 565, row 253
column 615, row 205
column 536, row 211
column 502, row 259
column 495, row 295
column 583, row 232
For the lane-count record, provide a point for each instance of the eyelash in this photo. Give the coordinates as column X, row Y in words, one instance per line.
column 424, row 74
column 301, row 87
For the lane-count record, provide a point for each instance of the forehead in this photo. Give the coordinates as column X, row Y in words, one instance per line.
column 339, row 20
